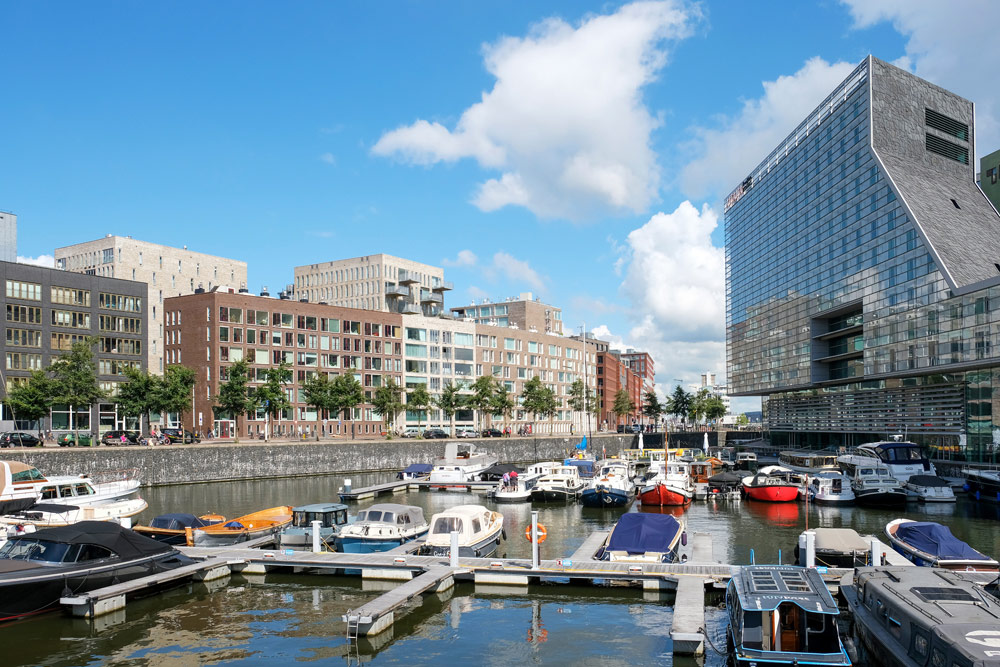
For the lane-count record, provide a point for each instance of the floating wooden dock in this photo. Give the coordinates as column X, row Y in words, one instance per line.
column 687, row 630
column 403, row 485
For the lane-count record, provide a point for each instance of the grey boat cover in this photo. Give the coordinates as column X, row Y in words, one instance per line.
column 416, row 514
column 841, row 540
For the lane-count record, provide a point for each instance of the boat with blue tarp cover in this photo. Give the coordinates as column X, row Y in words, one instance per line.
column 415, row 471
column 782, row 615
column 932, row 545
column 643, row 538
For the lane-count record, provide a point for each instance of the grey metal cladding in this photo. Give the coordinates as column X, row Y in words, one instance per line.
column 965, row 241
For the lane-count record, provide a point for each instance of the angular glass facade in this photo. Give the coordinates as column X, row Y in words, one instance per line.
column 837, row 308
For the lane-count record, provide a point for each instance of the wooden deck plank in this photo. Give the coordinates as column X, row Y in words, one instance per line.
column 590, row 545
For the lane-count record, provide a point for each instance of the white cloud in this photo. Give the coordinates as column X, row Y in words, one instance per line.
column 328, row 158
column 514, row 270
column 565, row 124
column 41, row 260
column 727, row 153
column 464, row 258
column 947, row 44
column 475, row 293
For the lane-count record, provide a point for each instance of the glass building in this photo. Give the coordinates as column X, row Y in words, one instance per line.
column 863, row 274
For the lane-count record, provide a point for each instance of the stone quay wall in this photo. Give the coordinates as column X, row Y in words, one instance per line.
column 185, row 464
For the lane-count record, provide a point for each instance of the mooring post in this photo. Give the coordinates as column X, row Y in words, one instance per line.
column 347, row 486
column 454, row 549
column 534, row 539
column 316, row 541
column 810, row 548
column 876, row 552
column 802, row 549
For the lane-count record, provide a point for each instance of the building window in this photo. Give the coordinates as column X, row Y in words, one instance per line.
column 17, row 289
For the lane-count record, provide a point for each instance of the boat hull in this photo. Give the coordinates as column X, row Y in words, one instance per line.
column 983, row 488
column 483, row 548
column 663, row 495
column 893, row 499
column 605, row 497
column 360, row 545
column 772, row 493
column 555, row 495
column 512, row 497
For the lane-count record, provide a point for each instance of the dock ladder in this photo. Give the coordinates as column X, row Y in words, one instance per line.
column 353, row 631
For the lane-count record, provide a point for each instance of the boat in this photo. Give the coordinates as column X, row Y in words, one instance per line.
column 643, row 538
column 381, row 527
column 726, row 484
column 479, row 532
column 49, row 515
column 983, row 484
column 170, row 528
column 671, row 487
column 23, row 485
column 462, row 463
column 241, row 529
column 560, row 485
column 808, row 461
column 828, row 488
column 772, row 484
column 923, row 616
column 928, row 489
column 612, row 486
column 415, row 471
column 782, row 615
column 872, row 483
column 932, row 545
column 746, row 461
column 839, row 547
column 520, row 488
column 701, row 471
column 299, row 534
column 37, row 569
column 584, row 464
column 904, row 459
column 496, row 471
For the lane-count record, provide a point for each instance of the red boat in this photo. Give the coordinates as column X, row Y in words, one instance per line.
column 772, row 488
column 670, row 488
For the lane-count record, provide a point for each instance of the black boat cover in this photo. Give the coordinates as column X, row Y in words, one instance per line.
column 122, row 541
column 418, row 468
column 935, row 539
column 497, row 470
column 178, row 521
column 928, row 480
column 726, row 478
column 641, row 533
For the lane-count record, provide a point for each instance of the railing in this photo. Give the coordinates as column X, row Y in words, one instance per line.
column 397, row 290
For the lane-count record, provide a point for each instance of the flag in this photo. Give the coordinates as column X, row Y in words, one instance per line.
column 583, row 443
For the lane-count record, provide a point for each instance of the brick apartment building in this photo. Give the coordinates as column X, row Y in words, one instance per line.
column 613, row 375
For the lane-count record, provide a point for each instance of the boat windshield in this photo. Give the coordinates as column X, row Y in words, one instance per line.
column 903, row 454
column 36, row 550
column 29, row 475
column 445, row 524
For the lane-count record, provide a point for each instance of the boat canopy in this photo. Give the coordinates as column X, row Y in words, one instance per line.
column 764, row 587
column 393, row 513
column 497, row 471
column 724, row 478
column 843, row 540
column 122, row 541
column 178, row 521
column 935, row 539
column 585, row 466
column 418, row 468
column 643, row 533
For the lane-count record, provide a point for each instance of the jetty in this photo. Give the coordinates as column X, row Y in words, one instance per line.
column 349, row 494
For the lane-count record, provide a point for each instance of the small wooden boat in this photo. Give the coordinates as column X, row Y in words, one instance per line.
column 932, row 545
column 479, row 532
column 170, row 528
column 241, row 529
column 643, row 538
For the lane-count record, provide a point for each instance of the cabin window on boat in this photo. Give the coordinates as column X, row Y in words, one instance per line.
column 49, row 492
column 445, row 524
column 83, row 490
column 37, row 550
column 476, row 526
column 753, row 636
column 29, row 475
column 374, row 516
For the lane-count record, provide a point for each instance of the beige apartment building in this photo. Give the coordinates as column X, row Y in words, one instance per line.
column 374, row 282
column 524, row 311
column 166, row 271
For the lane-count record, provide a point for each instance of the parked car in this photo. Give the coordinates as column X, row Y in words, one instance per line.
column 67, row 439
column 467, row 433
column 411, row 432
column 174, row 435
column 491, row 433
column 636, row 428
column 19, row 439
column 115, row 438
column 436, row 433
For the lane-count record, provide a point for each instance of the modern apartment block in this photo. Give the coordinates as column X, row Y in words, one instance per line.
column 989, row 177
column 523, row 311
column 167, row 271
column 209, row 331
column 438, row 351
column 47, row 311
column 8, row 237
column 863, row 274
column 374, row 282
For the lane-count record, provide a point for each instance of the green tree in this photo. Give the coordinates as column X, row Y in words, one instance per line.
column 450, row 401
column 176, row 391
column 140, row 396
column 388, row 402
column 715, row 408
column 273, row 394
column 680, row 403
column 317, row 390
column 742, row 419
column 652, row 408
column 698, row 405
column 234, row 398
column 503, row 403
column 623, row 405
column 533, row 398
column 418, row 400
column 74, row 380
column 346, row 393
column 482, row 394
column 31, row 400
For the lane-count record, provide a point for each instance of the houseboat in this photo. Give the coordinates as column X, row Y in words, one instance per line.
column 381, row 527
column 479, row 532
column 930, row 544
column 462, row 463
column 808, row 461
column 903, row 458
column 701, row 471
column 782, row 615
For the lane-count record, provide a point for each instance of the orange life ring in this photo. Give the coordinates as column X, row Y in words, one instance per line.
column 541, row 533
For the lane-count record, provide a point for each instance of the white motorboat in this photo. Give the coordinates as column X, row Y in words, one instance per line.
column 519, row 489
column 462, row 463
column 479, row 532
column 561, row 484
column 928, row 489
column 46, row 515
column 611, row 486
column 872, row 483
column 904, row 459
column 23, row 485
column 381, row 527
column 828, row 488
column 809, row 461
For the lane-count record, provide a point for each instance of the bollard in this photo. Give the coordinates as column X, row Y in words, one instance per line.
column 876, row 552
column 316, row 541
column 454, row 548
column 802, row 549
column 534, row 540
column 810, row 548
column 347, row 486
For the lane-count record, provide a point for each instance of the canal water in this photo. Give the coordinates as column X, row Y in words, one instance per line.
column 258, row 620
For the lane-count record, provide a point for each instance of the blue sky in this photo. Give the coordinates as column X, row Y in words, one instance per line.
column 577, row 150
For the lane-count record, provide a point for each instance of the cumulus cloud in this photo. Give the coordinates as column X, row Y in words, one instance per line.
column 514, row 270
column 464, row 258
column 564, row 124
column 41, row 260
column 730, row 150
column 946, row 44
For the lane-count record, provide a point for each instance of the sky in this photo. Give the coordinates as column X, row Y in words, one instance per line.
column 577, row 150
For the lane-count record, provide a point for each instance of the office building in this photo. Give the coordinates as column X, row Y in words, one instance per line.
column 8, row 237
column 989, row 177
column 167, row 272
column 524, row 311
column 863, row 274
column 47, row 311
column 374, row 282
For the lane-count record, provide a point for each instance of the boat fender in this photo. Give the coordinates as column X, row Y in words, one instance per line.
column 503, row 532
column 684, row 539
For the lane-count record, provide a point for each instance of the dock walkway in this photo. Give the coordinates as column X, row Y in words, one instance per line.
column 373, row 617
column 687, row 631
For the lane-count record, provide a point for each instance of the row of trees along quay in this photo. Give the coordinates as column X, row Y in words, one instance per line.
column 684, row 405
column 71, row 380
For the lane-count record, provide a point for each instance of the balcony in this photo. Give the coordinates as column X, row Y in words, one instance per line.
column 412, row 309
column 405, row 277
column 446, row 285
column 397, row 290
column 430, row 297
